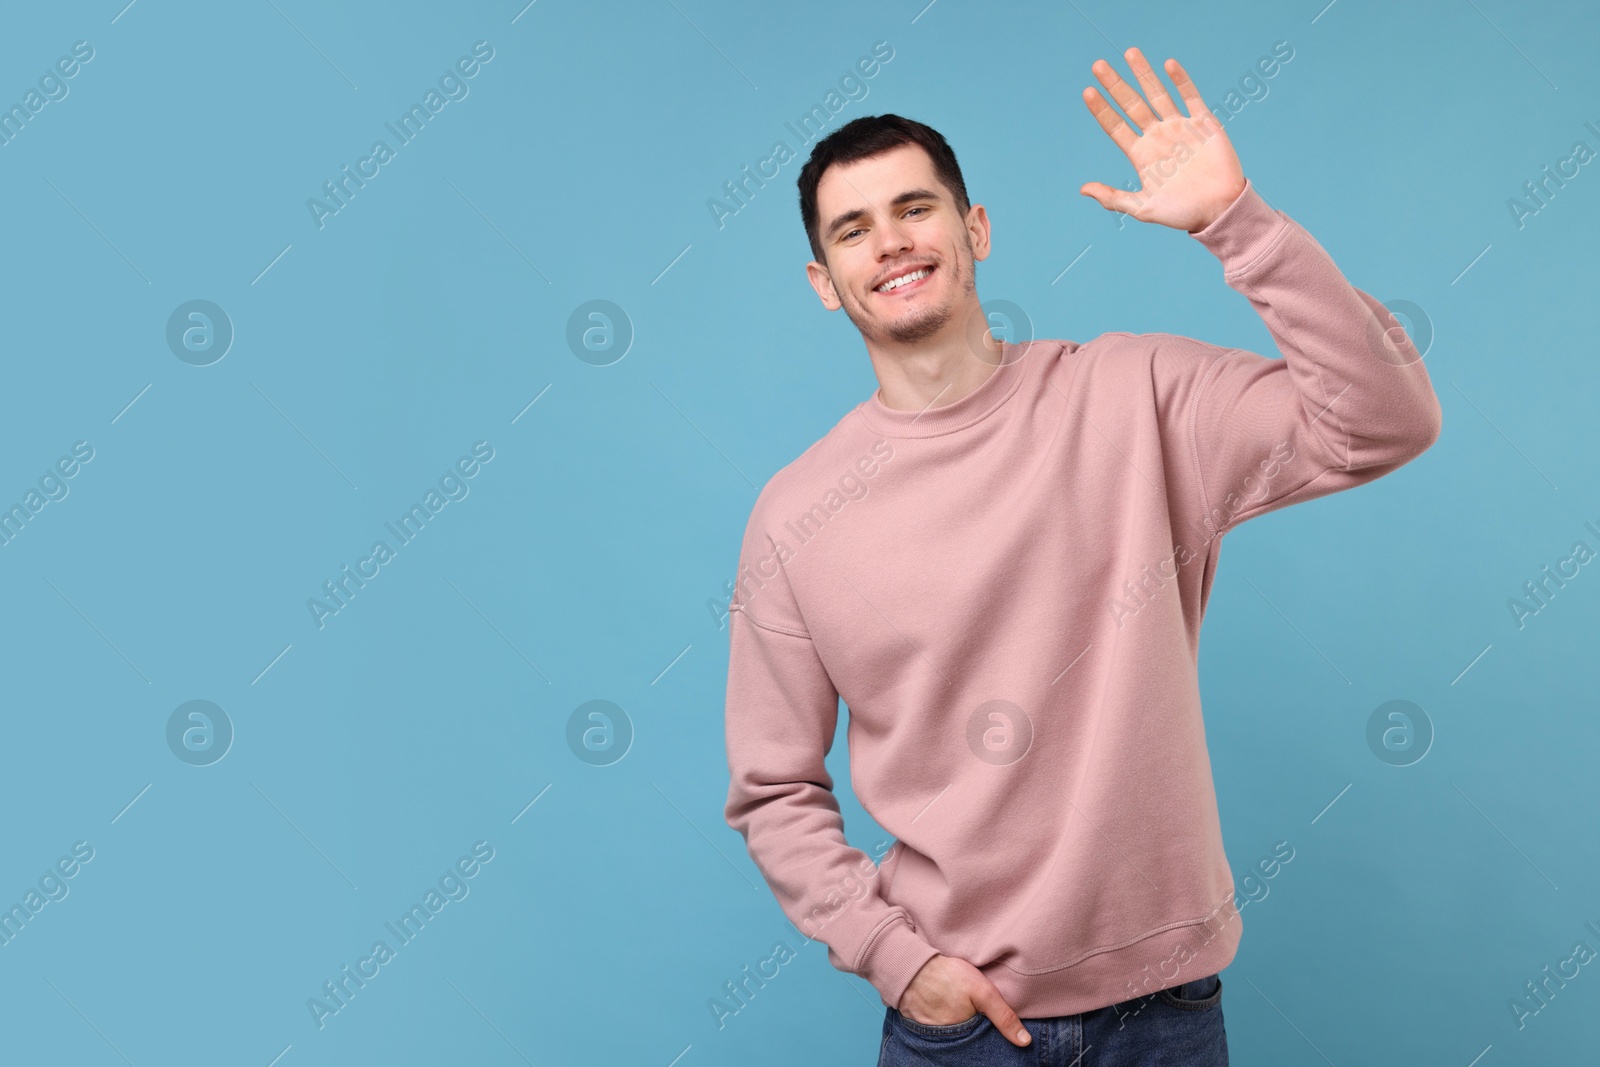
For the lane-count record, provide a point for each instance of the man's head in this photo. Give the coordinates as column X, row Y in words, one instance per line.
column 880, row 197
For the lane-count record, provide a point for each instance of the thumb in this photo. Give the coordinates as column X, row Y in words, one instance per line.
column 988, row 1000
column 1109, row 198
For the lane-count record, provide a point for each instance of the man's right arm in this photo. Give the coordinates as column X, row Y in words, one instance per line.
column 782, row 710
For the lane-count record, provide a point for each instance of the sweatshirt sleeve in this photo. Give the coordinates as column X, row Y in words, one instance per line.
column 1349, row 401
column 782, row 710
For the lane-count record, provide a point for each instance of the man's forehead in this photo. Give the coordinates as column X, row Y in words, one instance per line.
column 876, row 178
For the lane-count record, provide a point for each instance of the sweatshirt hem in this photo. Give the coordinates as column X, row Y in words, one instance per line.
column 1157, row 961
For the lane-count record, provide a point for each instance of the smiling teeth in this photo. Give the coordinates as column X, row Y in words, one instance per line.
column 903, row 279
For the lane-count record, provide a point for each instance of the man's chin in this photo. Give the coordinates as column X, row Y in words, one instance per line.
column 911, row 328
column 905, row 329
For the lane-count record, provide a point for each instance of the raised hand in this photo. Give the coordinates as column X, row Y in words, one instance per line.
column 1187, row 167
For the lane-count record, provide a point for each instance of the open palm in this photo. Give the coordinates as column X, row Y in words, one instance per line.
column 1187, row 167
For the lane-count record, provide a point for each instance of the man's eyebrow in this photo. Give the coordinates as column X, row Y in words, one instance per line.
column 857, row 214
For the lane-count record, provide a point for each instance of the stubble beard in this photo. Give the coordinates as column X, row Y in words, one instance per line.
column 925, row 322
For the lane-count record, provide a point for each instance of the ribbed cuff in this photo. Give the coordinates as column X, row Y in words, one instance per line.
column 1245, row 229
column 894, row 960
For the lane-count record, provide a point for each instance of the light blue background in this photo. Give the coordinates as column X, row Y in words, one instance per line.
column 590, row 554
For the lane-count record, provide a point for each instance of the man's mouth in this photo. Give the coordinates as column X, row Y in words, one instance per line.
column 911, row 279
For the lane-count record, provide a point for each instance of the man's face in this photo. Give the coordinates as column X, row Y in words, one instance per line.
column 888, row 216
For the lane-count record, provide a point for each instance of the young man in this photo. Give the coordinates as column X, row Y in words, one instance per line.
column 1000, row 560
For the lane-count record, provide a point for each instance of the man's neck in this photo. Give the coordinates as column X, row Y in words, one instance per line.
column 935, row 372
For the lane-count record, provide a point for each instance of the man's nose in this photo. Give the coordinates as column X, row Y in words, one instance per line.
column 891, row 239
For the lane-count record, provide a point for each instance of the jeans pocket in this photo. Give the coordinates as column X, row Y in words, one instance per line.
column 1198, row 995
column 965, row 1026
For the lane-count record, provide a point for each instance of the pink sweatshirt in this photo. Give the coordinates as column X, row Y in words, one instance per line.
column 1007, row 592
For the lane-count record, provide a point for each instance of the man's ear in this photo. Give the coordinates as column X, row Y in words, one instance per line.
column 978, row 231
column 822, row 282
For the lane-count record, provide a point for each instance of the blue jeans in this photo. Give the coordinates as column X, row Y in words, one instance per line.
column 1180, row 1026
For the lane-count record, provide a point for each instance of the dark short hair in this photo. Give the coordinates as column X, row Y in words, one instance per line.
column 871, row 135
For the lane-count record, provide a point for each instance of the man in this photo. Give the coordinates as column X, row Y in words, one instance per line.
column 1001, row 561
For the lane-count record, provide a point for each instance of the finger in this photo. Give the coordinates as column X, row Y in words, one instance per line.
column 991, row 1003
column 1112, row 199
column 1150, row 81
column 1191, row 96
column 1124, row 94
column 1110, row 121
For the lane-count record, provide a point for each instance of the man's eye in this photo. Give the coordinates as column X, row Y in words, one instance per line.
column 917, row 209
column 849, row 235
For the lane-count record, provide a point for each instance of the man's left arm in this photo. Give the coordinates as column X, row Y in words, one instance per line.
column 1349, row 401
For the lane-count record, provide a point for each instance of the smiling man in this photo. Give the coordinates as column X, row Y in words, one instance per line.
column 1011, row 605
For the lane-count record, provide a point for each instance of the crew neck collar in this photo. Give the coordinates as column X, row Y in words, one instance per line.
column 948, row 418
